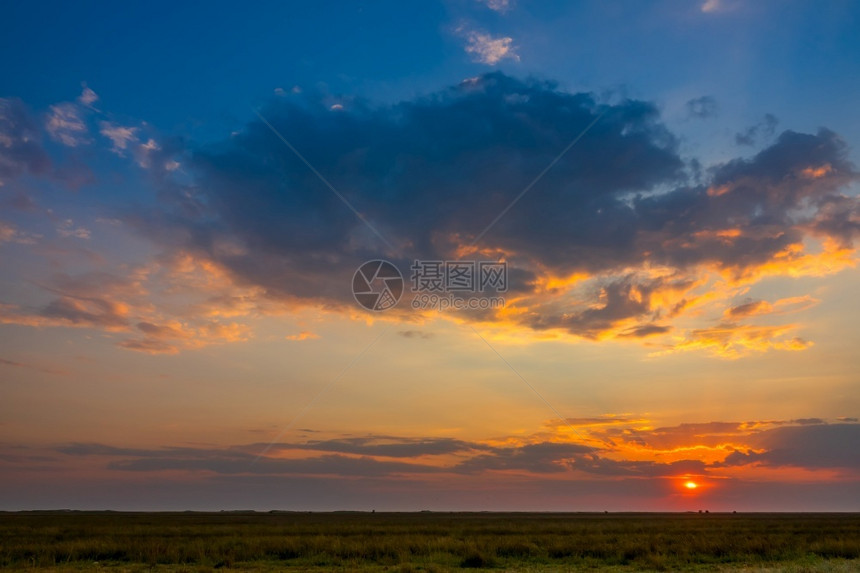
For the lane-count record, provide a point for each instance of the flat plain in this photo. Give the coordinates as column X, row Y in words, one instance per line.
column 427, row 541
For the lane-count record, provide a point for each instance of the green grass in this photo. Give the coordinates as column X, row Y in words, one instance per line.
column 74, row 541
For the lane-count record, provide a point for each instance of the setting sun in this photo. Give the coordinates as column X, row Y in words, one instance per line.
column 691, row 485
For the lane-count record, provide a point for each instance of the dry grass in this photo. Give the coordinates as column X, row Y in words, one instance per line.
column 197, row 542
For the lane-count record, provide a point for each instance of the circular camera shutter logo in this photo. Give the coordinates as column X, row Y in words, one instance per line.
column 377, row 285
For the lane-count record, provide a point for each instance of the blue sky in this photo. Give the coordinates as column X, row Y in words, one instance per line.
column 179, row 66
column 175, row 297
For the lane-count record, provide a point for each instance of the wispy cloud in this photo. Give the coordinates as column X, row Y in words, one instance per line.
column 304, row 335
column 766, row 129
column 486, row 49
column 719, row 6
column 702, row 107
column 124, row 306
column 763, row 307
column 9, row 233
column 88, row 97
column 731, row 340
column 37, row 368
column 711, row 5
column 500, row 6
column 415, row 334
column 66, row 125
column 120, row 136
column 68, row 229
column 20, row 142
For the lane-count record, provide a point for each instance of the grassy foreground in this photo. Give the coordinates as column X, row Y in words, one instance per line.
column 85, row 541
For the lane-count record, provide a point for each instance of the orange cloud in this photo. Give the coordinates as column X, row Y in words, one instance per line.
column 174, row 336
column 172, row 304
column 817, row 172
column 730, row 340
column 304, row 335
column 762, row 307
column 623, row 449
column 752, row 308
column 796, row 261
column 68, row 311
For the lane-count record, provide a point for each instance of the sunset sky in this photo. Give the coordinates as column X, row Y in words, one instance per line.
column 187, row 190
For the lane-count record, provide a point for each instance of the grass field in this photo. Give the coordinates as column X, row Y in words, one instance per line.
column 76, row 541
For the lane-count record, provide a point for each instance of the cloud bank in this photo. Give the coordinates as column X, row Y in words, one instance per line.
column 622, row 239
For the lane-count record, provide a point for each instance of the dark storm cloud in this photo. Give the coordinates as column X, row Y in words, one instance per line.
column 348, row 456
column 545, row 457
column 608, row 467
column 619, row 299
column 754, row 208
column 392, row 447
column 424, row 172
column 807, row 442
column 810, row 444
column 96, row 449
column 358, row 457
column 808, row 421
column 430, row 174
column 838, row 217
